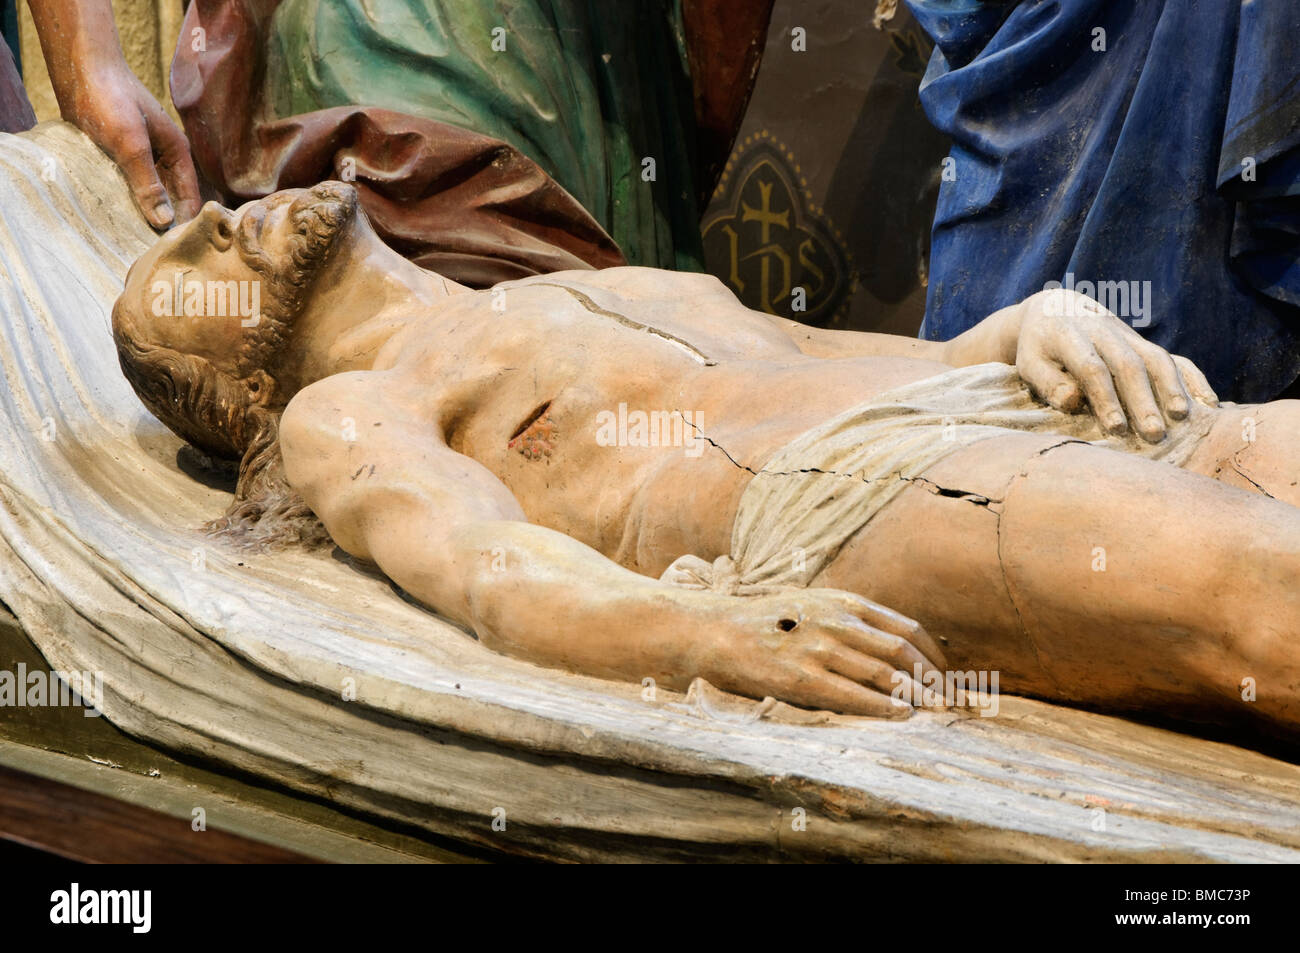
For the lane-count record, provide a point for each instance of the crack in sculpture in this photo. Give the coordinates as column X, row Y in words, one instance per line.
column 978, row 499
column 624, row 320
column 1023, row 473
column 1236, row 465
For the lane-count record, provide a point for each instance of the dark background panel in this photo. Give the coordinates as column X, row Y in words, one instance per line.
column 836, row 139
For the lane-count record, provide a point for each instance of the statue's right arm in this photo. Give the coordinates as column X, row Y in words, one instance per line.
column 370, row 461
column 447, row 531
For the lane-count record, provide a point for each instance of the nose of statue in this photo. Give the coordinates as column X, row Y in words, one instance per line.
column 216, row 223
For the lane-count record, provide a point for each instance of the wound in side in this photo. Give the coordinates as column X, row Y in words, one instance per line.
column 535, row 435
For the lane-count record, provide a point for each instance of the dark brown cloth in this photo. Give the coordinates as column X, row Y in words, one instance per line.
column 15, row 110
column 467, row 206
column 724, row 46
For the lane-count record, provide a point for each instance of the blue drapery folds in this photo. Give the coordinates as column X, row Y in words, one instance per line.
column 1144, row 151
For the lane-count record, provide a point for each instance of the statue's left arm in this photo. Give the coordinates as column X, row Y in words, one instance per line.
column 1066, row 347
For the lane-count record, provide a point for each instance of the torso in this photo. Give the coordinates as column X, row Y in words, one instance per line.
column 549, row 425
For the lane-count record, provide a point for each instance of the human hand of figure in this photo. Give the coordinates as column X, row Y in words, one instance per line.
column 1071, row 349
column 114, row 109
column 821, row 648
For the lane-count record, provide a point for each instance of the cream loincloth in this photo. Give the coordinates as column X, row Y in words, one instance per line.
column 825, row 485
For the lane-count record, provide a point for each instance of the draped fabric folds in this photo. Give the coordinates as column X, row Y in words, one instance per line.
column 462, row 203
column 1124, row 141
column 15, row 111
column 490, row 140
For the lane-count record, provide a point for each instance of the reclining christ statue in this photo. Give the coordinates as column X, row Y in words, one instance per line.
column 626, row 473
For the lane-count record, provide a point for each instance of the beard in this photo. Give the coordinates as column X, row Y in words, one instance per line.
column 316, row 219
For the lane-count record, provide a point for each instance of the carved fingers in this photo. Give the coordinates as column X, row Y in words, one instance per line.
column 1195, row 381
column 1072, row 350
column 824, row 648
column 124, row 119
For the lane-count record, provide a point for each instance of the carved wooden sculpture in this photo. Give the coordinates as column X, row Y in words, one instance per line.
column 1137, row 555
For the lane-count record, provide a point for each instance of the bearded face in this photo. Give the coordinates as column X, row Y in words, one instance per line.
column 289, row 267
column 203, row 370
column 267, row 256
column 209, row 375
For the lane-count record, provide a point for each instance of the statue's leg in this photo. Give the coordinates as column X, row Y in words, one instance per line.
column 1095, row 577
column 1255, row 447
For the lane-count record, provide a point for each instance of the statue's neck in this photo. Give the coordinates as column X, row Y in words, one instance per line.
column 358, row 303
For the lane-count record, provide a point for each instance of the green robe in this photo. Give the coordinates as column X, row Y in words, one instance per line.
column 588, row 89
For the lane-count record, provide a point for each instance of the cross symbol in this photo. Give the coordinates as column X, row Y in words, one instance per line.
column 764, row 215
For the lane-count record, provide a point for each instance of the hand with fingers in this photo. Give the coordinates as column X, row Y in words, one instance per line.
column 1070, row 350
column 823, row 648
column 124, row 120
column 99, row 94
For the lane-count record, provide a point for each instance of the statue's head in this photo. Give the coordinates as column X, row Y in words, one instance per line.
column 203, row 322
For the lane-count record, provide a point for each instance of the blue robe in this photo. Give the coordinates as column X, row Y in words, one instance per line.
column 1171, row 156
